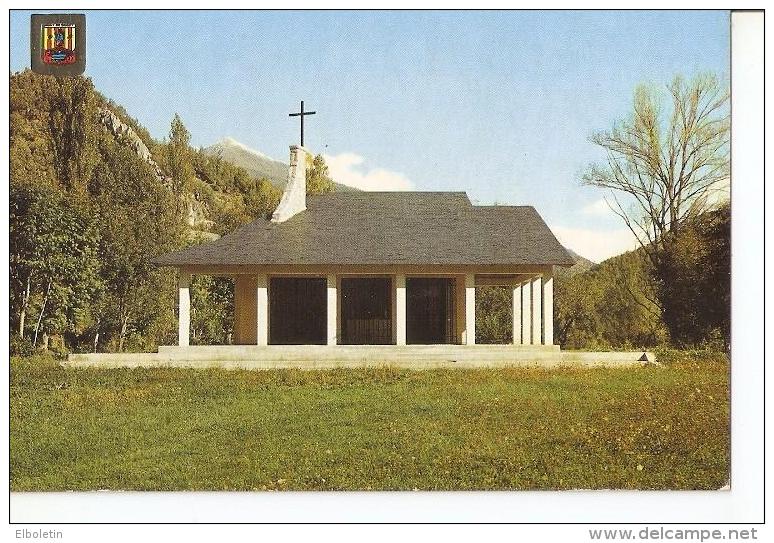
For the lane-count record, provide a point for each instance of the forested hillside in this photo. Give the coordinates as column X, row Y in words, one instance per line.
column 611, row 305
column 626, row 302
column 93, row 198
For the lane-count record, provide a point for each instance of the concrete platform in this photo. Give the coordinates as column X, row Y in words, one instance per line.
column 353, row 356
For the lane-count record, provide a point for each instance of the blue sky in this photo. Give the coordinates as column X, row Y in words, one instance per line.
column 498, row 104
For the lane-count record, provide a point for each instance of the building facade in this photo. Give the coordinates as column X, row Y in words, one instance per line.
column 376, row 268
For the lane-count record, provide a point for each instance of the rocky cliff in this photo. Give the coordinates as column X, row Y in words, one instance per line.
column 196, row 212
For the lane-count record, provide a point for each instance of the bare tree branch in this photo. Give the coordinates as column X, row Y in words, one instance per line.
column 666, row 163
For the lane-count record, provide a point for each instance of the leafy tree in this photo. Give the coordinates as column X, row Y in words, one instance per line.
column 138, row 220
column 212, row 310
column 53, row 249
column 494, row 315
column 27, row 219
column 53, row 129
column 73, row 130
column 697, row 295
column 87, row 215
column 261, row 198
column 318, row 180
column 576, row 321
column 53, row 235
column 30, row 143
column 610, row 306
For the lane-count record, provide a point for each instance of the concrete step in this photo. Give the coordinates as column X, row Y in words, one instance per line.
column 323, row 356
column 359, row 352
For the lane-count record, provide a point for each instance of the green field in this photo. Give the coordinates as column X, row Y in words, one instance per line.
column 174, row 429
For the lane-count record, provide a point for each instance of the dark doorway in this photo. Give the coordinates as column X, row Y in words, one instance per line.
column 298, row 311
column 429, row 311
column 366, row 311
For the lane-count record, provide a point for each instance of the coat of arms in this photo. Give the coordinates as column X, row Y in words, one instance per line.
column 58, row 44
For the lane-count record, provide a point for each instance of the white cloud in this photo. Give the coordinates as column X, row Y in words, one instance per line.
column 598, row 208
column 348, row 169
column 596, row 245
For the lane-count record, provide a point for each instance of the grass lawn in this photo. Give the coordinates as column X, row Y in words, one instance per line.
column 177, row 429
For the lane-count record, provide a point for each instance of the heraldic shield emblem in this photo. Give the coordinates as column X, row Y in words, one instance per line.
column 58, row 44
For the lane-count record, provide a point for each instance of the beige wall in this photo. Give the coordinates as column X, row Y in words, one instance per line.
column 245, row 310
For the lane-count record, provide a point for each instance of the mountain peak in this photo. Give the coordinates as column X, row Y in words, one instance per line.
column 228, row 141
column 256, row 163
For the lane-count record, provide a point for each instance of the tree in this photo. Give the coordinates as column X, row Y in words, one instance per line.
column 87, row 215
column 73, row 130
column 125, row 189
column 53, row 236
column 212, row 310
column 53, row 129
column 261, row 198
column 697, row 298
column 667, row 162
column 318, row 181
column 575, row 309
column 609, row 306
column 494, row 315
column 179, row 157
column 53, row 250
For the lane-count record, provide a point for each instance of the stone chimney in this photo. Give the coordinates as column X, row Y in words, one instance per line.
column 294, row 198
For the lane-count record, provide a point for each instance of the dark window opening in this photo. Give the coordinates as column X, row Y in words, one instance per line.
column 430, row 311
column 366, row 311
column 298, row 311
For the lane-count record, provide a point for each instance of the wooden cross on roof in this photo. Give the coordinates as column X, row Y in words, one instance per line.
column 301, row 114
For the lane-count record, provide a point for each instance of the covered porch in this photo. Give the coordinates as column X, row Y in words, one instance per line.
column 285, row 306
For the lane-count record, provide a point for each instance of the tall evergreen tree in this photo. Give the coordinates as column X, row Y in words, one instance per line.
column 179, row 159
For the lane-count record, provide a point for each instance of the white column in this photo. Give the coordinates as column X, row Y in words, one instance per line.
column 548, row 310
column 400, row 309
column 262, row 310
column 183, row 309
column 526, row 314
column 537, row 312
column 470, row 309
column 332, row 310
column 516, row 315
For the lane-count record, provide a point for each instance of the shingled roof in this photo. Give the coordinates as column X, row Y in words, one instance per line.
column 387, row 228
